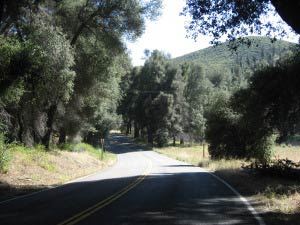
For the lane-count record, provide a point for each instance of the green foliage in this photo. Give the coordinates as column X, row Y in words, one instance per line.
column 61, row 65
column 231, row 135
column 153, row 99
column 12, row 11
column 56, row 76
column 223, row 133
column 98, row 153
column 5, row 155
column 73, row 147
column 15, row 147
column 197, row 92
column 272, row 98
column 282, row 167
column 110, row 20
column 262, row 148
column 162, row 137
column 234, row 19
column 222, row 60
column 16, row 64
column 83, row 147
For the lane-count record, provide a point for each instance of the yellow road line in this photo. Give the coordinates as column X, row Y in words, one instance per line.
column 89, row 211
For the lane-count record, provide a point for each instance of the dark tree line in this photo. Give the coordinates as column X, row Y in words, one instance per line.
column 241, row 117
column 163, row 100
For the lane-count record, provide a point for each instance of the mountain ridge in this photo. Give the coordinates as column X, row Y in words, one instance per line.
column 221, row 57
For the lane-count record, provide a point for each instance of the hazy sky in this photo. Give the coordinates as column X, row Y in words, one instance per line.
column 167, row 34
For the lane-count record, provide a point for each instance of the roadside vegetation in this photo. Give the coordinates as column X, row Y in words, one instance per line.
column 25, row 170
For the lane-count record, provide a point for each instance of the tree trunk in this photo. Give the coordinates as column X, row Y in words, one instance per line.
column 182, row 141
column 21, row 126
column 174, row 141
column 136, row 130
column 50, row 120
column 289, row 12
column 62, row 136
column 150, row 138
column 128, row 127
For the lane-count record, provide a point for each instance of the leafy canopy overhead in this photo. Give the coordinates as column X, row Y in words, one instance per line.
column 12, row 11
column 115, row 18
column 233, row 18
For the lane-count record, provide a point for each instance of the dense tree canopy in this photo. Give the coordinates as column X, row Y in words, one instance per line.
column 12, row 12
column 234, row 18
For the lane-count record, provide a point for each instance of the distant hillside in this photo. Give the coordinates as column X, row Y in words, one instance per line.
column 221, row 58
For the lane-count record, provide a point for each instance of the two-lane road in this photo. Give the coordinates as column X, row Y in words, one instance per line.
column 144, row 187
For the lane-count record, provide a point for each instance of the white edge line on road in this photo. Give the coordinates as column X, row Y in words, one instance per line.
column 243, row 199
column 249, row 207
column 59, row 186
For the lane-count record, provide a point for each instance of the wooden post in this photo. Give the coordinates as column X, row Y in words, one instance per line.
column 102, row 143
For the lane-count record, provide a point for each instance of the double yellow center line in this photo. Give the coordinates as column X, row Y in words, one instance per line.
column 89, row 211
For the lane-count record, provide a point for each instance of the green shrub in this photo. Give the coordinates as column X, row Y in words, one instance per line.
column 162, row 137
column 19, row 148
column 224, row 134
column 82, row 147
column 263, row 148
column 284, row 168
column 230, row 135
column 4, row 155
column 67, row 146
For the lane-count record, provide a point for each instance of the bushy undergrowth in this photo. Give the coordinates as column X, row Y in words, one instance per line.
column 36, row 153
column 83, row 147
column 282, row 167
column 5, row 155
column 232, row 136
column 162, row 137
column 39, row 155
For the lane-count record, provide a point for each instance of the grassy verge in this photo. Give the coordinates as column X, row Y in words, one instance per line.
column 34, row 169
column 278, row 199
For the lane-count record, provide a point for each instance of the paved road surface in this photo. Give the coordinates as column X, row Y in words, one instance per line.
column 142, row 188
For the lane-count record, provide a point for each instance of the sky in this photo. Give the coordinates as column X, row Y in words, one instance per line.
column 167, row 34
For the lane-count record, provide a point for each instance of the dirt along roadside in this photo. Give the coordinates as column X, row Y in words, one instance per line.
column 36, row 170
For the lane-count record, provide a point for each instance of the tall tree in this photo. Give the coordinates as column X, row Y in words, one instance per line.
column 54, row 82
column 197, row 94
column 109, row 19
column 97, row 30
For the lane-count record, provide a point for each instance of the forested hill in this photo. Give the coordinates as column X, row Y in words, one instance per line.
column 221, row 58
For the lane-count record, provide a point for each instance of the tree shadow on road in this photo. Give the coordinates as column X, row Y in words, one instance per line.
column 165, row 198
column 120, row 144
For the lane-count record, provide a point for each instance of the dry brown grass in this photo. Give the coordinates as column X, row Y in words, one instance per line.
column 192, row 154
column 287, row 152
column 31, row 172
column 278, row 199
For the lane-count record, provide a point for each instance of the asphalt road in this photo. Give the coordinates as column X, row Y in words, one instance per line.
column 144, row 187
